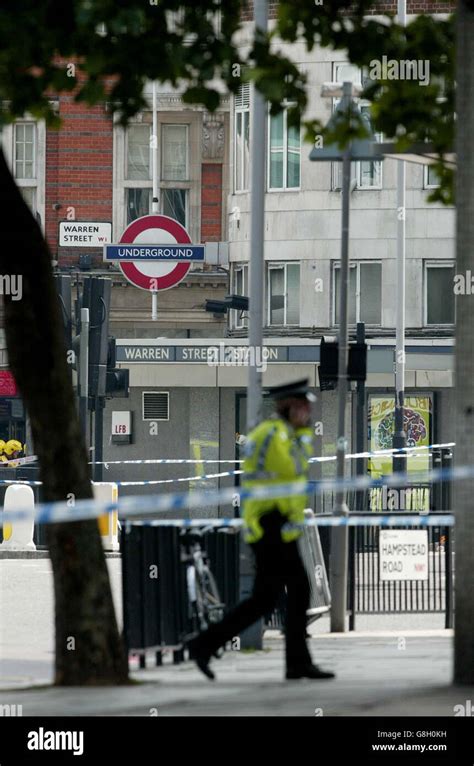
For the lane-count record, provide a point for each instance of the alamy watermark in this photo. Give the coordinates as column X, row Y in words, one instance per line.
column 240, row 356
column 464, row 710
column 12, row 285
column 405, row 69
column 11, row 710
column 42, row 739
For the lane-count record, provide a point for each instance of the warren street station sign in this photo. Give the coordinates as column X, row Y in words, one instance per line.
column 214, row 354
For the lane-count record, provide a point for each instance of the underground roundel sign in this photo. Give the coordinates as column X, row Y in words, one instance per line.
column 154, row 252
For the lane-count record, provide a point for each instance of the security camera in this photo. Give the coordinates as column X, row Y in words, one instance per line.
column 57, row 206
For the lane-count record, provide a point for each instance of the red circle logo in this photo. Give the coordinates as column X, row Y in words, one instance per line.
column 174, row 273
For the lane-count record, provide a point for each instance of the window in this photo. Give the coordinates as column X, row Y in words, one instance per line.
column 364, row 295
column 284, row 294
column 24, row 161
column 240, row 287
column 25, row 150
column 174, row 152
column 174, row 175
column 366, row 174
column 283, row 152
column 139, row 153
column 439, row 294
column 138, row 203
column 173, row 204
column 430, row 177
column 29, row 195
column 242, row 139
column 156, row 405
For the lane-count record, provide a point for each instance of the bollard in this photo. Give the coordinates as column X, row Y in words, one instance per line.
column 18, row 536
column 107, row 492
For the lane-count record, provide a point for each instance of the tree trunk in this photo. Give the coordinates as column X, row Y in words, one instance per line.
column 89, row 649
column 464, row 490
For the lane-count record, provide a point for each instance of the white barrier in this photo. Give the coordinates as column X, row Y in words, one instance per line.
column 18, row 535
column 107, row 492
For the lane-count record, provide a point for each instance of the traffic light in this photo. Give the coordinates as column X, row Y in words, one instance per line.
column 329, row 363
column 117, row 383
column 63, row 289
column 358, row 361
column 96, row 297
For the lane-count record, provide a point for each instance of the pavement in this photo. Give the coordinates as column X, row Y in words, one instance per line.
column 394, row 665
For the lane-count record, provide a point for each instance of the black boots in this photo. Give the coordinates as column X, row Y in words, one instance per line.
column 307, row 671
column 201, row 658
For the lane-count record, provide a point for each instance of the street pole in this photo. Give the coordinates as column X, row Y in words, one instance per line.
column 257, row 207
column 360, row 420
column 154, row 175
column 399, row 441
column 99, row 437
column 252, row 638
column 84, row 370
column 339, row 536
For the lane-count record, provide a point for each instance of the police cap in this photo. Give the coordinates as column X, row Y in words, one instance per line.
column 300, row 389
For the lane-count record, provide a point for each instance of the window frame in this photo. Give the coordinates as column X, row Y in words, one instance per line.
column 285, row 186
column 191, row 186
column 237, row 315
column 426, row 184
column 241, row 109
column 16, row 125
column 175, row 180
column 435, row 264
column 273, row 266
column 356, row 264
column 138, row 181
column 357, row 174
column 38, row 183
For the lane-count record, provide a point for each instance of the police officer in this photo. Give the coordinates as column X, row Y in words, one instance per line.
column 277, row 451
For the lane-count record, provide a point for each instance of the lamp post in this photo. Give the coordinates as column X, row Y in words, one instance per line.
column 154, row 175
column 399, row 440
column 356, row 150
column 257, row 215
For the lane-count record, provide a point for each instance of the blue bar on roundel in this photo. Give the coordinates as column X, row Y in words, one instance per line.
column 150, row 252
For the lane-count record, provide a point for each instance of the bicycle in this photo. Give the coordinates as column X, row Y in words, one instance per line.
column 204, row 601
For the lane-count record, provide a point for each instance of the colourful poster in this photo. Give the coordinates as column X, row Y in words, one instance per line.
column 417, row 426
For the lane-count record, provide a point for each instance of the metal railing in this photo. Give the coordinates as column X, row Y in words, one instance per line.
column 368, row 593
column 156, row 606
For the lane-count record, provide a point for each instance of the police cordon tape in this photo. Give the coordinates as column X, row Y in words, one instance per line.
column 142, row 483
column 136, row 506
column 410, row 451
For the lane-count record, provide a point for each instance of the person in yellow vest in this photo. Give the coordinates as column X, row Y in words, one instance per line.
column 13, row 449
column 3, row 457
column 276, row 452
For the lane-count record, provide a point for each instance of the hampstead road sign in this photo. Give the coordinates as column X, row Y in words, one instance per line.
column 155, row 253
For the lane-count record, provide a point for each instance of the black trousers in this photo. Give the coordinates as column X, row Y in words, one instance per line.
column 278, row 564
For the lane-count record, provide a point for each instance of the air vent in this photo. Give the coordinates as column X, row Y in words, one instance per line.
column 242, row 99
column 156, row 405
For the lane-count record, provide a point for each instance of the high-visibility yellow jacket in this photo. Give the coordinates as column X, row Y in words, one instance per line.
column 275, row 453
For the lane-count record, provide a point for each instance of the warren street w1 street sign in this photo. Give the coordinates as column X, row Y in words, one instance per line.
column 154, row 253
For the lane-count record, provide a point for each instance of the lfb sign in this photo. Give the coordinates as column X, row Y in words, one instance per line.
column 154, row 253
column 121, row 427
